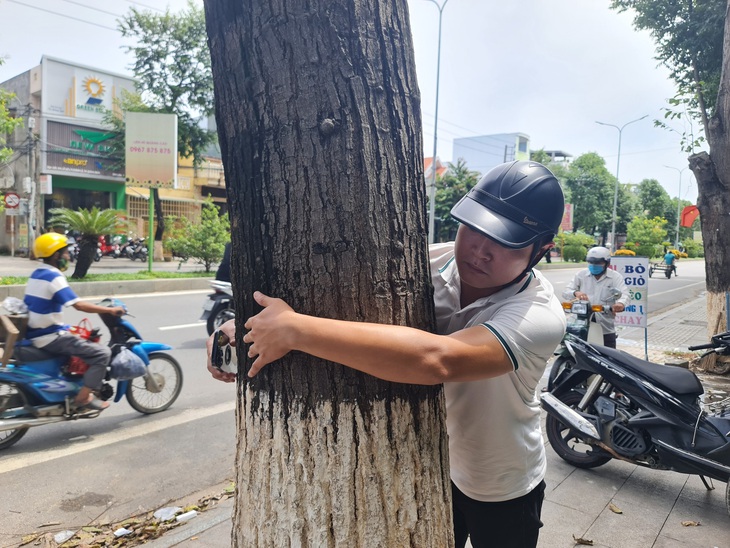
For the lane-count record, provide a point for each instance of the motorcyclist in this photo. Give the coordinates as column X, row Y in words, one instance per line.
column 46, row 293
column 670, row 261
column 595, row 284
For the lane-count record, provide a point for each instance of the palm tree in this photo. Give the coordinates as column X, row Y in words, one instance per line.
column 91, row 224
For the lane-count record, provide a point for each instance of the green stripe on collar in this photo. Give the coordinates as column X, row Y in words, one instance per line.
column 441, row 270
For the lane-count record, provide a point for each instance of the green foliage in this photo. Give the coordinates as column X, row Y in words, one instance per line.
column 91, row 224
column 591, row 188
column 540, row 156
column 117, row 277
column 693, row 248
column 172, row 68
column 574, row 253
column 689, row 38
column 653, row 199
column 450, row 188
column 203, row 242
column 575, row 245
column 7, row 124
column 645, row 235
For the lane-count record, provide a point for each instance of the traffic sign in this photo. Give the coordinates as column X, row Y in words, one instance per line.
column 12, row 200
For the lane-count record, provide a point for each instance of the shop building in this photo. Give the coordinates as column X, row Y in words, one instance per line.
column 62, row 156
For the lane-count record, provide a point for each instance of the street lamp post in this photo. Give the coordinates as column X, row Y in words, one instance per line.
column 679, row 201
column 615, row 191
column 432, row 189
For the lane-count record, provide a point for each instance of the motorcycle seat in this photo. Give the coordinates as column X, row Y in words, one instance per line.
column 681, row 382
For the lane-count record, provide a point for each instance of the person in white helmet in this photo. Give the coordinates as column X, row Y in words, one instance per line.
column 498, row 322
column 595, row 284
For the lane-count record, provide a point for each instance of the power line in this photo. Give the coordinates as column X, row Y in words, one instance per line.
column 62, row 15
column 92, row 8
column 145, row 6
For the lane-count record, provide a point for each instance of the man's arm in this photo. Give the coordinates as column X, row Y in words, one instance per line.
column 90, row 308
column 573, row 287
column 392, row 353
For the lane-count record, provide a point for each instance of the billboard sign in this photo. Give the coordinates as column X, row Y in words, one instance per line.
column 150, row 145
column 635, row 272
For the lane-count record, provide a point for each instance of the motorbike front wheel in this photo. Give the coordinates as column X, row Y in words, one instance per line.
column 159, row 387
column 221, row 313
column 567, row 444
column 12, row 398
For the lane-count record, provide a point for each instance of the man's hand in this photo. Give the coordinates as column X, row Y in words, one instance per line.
column 117, row 311
column 268, row 332
column 618, row 307
column 229, row 328
column 581, row 296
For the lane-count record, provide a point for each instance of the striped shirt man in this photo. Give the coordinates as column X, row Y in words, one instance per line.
column 46, row 293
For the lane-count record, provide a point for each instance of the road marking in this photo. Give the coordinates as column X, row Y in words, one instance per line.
column 102, row 440
column 123, row 296
column 675, row 289
column 181, row 326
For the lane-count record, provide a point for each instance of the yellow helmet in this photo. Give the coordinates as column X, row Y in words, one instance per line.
column 47, row 244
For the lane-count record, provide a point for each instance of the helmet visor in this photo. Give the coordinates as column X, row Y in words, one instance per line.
column 501, row 228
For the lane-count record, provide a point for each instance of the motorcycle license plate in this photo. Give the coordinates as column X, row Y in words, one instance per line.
column 209, row 304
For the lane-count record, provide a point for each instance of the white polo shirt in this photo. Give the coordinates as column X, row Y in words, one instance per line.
column 495, row 441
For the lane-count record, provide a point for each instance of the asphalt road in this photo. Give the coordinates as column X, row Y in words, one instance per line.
column 115, row 465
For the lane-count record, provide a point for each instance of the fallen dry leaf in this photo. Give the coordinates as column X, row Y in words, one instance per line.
column 691, row 524
column 29, row 538
column 582, row 541
column 615, row 509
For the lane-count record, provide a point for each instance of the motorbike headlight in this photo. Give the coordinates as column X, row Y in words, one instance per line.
column 579, row 308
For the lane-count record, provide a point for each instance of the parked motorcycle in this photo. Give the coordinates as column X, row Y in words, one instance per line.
column 137, row 249
column 73, row 248
column 38, row 388
column 108, row 248
column 218, row 306
column 611, row 405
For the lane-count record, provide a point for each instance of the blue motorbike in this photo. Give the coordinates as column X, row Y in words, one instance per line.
column 38, row 388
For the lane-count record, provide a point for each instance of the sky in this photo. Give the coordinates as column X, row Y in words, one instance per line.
column 549, row 69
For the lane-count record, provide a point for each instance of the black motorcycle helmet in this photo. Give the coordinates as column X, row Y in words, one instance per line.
column 516, row 204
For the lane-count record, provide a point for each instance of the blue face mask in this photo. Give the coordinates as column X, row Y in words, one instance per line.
column 596, row 269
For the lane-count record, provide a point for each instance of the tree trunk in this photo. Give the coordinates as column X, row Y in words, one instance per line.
column 712, row 173
column 318, row 116
column 87, row 250
column 155, row 248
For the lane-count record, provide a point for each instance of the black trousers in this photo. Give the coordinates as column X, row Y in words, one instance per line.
column 509, row 524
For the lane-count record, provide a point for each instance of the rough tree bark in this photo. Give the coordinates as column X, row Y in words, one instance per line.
column 318, row 116
column 712, row 173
